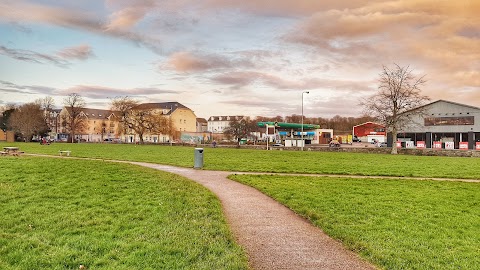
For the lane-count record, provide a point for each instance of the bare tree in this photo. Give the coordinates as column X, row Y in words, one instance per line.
column 239, row 129
column 7, row 111
column 74, row 103
column 397, row 100
column 141, row 120
column 28, row 120
column 101, row 126
column 46, row 105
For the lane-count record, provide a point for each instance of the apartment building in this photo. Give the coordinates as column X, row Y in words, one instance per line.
column 218, row 124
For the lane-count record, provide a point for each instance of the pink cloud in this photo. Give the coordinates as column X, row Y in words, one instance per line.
column 187, row 62
column 61, row 58
column 102, row 92
column 80, row 52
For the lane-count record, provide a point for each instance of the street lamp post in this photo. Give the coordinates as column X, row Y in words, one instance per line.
column 303, row 142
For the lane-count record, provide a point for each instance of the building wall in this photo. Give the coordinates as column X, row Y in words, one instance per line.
column 368, row 128
column 447, row 110
column 442, row 121
column 97, row 128
column 184, row 120
column 218, row 124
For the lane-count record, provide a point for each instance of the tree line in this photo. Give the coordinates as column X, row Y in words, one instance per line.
column 32, row 119
column 397, row 100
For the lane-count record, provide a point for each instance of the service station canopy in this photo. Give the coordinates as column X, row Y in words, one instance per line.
column 288, row 125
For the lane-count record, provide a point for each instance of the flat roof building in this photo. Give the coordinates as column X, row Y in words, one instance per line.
column 443, row 121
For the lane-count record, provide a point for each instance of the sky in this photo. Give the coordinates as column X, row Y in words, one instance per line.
column 230, row 57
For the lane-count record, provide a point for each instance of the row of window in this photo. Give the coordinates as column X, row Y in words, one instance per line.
column 449, row 121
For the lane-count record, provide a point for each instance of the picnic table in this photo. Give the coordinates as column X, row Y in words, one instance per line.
column 11, row 150
column 66, row 152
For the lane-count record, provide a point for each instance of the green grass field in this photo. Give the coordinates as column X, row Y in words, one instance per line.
column 63, row 213
column 274, row 161
column 396, row 224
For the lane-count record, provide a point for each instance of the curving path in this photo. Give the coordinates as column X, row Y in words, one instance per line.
column 273, row 236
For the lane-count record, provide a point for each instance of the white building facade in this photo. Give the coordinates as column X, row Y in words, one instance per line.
column 218, row 124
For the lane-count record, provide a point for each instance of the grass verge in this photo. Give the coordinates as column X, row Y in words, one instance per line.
column 274, row 161
column 396, row 224
column 63, row 213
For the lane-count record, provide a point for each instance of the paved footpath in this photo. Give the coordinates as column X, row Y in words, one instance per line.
column 273, row 236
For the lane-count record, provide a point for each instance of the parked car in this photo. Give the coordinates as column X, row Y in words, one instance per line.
column 114, row 140
column 382, row 144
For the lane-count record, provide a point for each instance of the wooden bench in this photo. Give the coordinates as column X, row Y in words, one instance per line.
column 66, row 152
column 3, row 153
column 17, row 153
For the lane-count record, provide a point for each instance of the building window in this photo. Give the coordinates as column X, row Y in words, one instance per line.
column 449, row 121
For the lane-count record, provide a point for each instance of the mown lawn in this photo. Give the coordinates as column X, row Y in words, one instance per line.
column 396, row 224
column 274, row 161
column 63, row 213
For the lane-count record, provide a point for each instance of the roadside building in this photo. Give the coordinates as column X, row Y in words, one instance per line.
column 443, row 124
column 369, row 131
column 218, row 124
column 202, row 125
column 183, row 118
column 53, row 122
column 97, row 125
column 290, row 134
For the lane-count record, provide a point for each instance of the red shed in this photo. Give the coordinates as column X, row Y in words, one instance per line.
column 369, row 128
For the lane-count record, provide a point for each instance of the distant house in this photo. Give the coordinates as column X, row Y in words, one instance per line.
column 183, row 118
column 202, row 125
column 218, row 124
column 105, row 124
column 369, row 131
column 98, row 125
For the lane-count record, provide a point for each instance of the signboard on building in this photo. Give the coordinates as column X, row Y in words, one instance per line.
column 463, row 145
column 449, row 145
column 477, row 146
column 437, row 145
column 409, row 144
column 420, row 144
column 399, row 144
